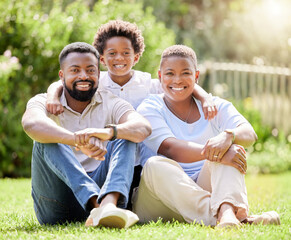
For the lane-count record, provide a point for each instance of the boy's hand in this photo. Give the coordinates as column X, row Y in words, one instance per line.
column 235, row 157
column 209, row 108
column 54, row 92
column 54, row 106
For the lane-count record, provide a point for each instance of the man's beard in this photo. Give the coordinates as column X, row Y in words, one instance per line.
column 82, row 96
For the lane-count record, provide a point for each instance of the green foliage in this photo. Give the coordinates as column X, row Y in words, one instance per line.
column 275, row 158
column 35, row 32
column 270, row 154
column 231, row 30
column 263, row 132
column 265, row 193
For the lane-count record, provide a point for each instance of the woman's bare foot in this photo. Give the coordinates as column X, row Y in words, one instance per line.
column 226, row 217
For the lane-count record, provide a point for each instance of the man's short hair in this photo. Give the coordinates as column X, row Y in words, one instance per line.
column 79, row 47
column 180, row 51
column 119, row 28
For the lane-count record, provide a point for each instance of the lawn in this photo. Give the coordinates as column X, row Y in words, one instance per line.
column 266, row 192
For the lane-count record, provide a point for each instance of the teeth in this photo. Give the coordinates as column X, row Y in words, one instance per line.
column 177, row 89
column 83, row 85
column 119, row 66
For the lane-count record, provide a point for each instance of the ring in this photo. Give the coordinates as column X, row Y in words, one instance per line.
column 215, row 156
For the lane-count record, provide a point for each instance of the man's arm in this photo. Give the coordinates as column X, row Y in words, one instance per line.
column 41, row 128
column 208, row 106
column 131, row 126
column 54, row 92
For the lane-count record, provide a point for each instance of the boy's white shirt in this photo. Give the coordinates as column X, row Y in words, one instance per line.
column 139, row 87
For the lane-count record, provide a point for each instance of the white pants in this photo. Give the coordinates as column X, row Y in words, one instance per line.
column 167, row 192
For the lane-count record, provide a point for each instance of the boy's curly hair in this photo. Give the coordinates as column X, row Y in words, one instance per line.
column 119, row 28
column 180, row 51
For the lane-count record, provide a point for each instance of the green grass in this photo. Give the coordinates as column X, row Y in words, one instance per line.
column 266, row 192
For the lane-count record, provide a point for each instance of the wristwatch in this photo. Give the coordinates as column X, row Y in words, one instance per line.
column 230, row 131
column 114, row 128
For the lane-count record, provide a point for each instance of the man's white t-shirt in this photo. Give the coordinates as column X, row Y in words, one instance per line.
column 165, row 125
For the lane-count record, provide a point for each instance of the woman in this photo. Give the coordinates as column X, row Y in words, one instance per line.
column 180, row 184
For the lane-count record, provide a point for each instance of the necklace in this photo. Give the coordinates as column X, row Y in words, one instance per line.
column 176, row 114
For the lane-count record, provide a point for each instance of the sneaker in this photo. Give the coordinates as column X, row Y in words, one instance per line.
column 111, row 216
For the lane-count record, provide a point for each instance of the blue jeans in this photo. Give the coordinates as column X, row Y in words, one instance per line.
column 61, row 188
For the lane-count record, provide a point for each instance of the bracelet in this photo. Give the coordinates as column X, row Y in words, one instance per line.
column 113, row 126
column 231, row 132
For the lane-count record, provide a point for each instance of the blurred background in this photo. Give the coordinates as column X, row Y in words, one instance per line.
column 243, row 49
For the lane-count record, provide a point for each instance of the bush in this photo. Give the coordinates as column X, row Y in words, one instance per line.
column 35, row 32
column 270, row 154
column 275, row 158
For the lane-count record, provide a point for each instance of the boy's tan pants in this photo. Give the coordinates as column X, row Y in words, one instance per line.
column 166, row 191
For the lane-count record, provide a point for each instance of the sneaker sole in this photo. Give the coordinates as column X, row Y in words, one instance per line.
column 112, row 222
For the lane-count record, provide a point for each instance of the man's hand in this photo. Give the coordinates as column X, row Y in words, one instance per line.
column 82, row 137
column 54, row 106
column 209, row 107
column 95, row 148
column 216, row 147
column 235, row 157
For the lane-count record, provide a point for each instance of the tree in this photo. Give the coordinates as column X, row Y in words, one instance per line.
column 35, row 32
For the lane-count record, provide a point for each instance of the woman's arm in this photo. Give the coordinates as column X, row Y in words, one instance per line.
column 181, row 150
column 187, row 152
column 217, row 146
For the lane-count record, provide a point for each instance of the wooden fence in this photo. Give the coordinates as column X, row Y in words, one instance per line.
column 268, row 87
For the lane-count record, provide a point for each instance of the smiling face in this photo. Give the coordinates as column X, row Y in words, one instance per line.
column 79, row 73
column 178, row 77
column 119, row 57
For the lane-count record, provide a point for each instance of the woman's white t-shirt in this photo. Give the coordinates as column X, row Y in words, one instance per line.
column 165, row 125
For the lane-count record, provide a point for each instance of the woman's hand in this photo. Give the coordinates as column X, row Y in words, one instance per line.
column 216, row 147
column 235, row 157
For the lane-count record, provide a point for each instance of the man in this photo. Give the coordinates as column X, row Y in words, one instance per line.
column 66, row 182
